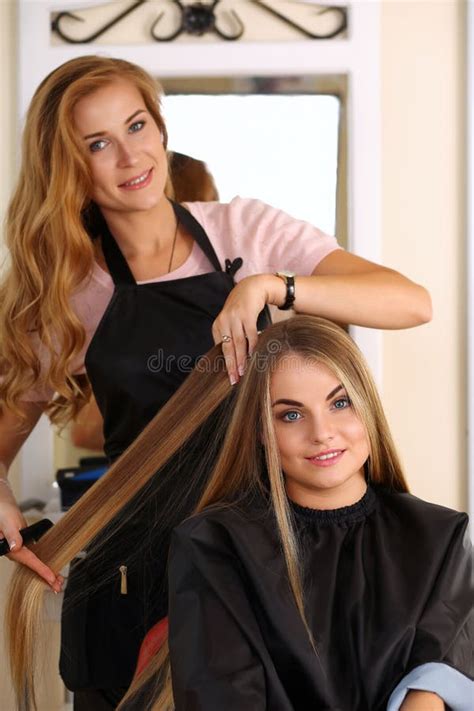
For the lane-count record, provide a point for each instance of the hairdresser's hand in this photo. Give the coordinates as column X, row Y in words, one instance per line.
column 238, row 320
column 422, row 701
column 11, row 520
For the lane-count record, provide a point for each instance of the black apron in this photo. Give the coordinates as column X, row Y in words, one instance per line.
column 143, row 349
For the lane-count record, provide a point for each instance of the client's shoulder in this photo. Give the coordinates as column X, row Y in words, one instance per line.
column 230, row 523
column 414, row 512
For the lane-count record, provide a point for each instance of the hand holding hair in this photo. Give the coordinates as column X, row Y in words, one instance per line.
column 29, row 534
column 11, row 520
column 26, row 557
column 236, row 326
column 11, row 523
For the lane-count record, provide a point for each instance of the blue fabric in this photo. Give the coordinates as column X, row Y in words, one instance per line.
column 456, row 689
column 91, row 474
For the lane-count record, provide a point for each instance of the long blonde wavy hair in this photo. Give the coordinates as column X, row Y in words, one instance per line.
column 247, row 450
column 51, row 252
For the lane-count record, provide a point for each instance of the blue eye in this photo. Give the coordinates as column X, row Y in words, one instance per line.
column 137, row 126
column 97, row 145
column 291, row 416
column 341, row 403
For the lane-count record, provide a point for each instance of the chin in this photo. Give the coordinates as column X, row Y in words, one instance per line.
column 327, row 479
column 140, row 203
column 146, row 205
column 329, row 482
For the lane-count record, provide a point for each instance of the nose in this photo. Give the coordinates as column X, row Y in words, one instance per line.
column 126, row 155
column 322, row 428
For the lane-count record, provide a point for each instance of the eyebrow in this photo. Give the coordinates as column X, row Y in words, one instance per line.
column 295, row 403
column 101, row 133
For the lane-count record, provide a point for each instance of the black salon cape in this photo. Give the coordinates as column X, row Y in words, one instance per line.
column 387, row 588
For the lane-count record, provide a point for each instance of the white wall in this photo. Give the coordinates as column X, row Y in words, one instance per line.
column 423, row 222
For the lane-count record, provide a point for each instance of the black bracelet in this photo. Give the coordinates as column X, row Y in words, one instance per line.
column 290, row 292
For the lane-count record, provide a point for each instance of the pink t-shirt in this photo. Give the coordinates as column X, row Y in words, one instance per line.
column 265, row 238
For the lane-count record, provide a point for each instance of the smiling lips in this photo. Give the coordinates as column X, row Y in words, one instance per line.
column 326, row 458
column 139, row 181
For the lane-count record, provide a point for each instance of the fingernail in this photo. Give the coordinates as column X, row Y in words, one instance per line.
column 232, row 379
column 241, row 370
column 12, row 545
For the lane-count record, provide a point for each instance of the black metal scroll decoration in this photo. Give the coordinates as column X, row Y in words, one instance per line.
column 198, row 18
column 341, row 11
column 55, row 26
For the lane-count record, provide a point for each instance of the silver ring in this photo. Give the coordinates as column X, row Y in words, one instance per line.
column 226, row 339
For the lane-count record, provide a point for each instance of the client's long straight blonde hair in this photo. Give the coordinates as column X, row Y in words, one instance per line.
column 248, row 449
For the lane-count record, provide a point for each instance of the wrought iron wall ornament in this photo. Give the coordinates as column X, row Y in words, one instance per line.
column 341, row 11
column 198, row 18
column 55, row 26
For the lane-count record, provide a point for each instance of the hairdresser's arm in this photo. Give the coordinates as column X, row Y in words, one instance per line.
column 343, row 288
column 355, row 291
column 13, row 433
column 87, row 430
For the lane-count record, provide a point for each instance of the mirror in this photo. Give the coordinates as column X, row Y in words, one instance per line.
column 278, row 139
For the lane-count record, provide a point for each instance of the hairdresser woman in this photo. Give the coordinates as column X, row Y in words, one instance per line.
column 110, row 280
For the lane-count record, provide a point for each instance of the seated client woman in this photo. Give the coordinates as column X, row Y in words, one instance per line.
column 308, row 577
